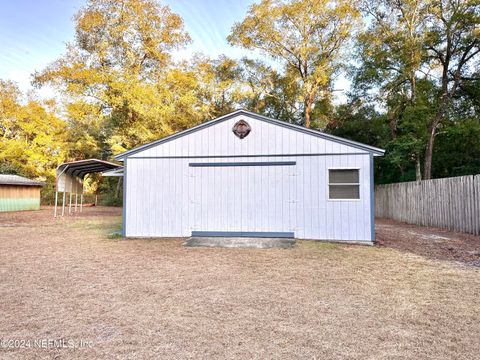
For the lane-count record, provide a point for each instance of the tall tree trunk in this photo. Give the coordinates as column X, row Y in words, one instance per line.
column 413, row 89
column 117, row 190
column 307, row 117
column 418, row 170
column 427, row 167
column 432, row 132
column 308, row 110
column 427, row 170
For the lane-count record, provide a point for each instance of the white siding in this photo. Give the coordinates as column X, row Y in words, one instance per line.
column 264, row 139
column 166, row 197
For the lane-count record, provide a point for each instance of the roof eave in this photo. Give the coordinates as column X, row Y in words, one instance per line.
column 39, row 184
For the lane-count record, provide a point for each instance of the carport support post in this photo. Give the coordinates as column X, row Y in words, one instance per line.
column 76, row 201
column 56, row 202
column 81, row 195
column 70, row 204
column 56, row 191
column 63, row 204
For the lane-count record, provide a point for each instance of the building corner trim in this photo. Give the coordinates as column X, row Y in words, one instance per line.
column 124, row 209
column 372, row 198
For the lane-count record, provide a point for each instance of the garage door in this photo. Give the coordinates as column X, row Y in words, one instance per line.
column 244, row 198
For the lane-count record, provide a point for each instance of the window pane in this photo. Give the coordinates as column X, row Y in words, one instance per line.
column 344, row 191
column 348, row 176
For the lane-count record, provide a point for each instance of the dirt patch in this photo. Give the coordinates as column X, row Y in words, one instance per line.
column 64, row 279
column 432, row 243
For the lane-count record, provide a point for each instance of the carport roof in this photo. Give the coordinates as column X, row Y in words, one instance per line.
column 82, row 167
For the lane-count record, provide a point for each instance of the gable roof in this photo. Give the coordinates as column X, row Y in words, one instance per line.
column 6, row 179
column 371, row 149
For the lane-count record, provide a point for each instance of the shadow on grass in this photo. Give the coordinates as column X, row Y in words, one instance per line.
column 110, row 228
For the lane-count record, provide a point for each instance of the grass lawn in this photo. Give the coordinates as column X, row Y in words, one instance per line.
column 67, row 280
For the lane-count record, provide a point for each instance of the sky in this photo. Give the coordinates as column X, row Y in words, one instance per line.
column 33, row 33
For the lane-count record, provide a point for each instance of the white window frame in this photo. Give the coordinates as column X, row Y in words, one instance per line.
column 359, row 182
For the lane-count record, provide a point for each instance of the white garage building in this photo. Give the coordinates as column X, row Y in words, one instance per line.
column 244, row 174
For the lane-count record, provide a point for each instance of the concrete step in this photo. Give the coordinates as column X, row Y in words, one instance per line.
column 240, row 242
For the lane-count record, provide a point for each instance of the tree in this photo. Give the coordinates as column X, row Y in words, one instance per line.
column 119, row 80
column 418, row 40
column 34, row 140
column 391, row 54
column 269, row 92
column 306, row 36
column 453, row 46
column 457, row 151
column 220, row 84
column 259, row 80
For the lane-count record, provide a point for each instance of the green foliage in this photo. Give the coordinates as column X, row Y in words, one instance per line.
column 111, row 190
column 115, row 235
column 47, row 193
column 33, row 139
column 414, row 58
column 458, row 149
column 270, row 92
column 219, row 83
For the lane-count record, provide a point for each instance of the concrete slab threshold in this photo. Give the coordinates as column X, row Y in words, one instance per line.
column 240, row 242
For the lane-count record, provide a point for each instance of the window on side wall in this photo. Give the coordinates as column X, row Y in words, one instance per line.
column 344, row 184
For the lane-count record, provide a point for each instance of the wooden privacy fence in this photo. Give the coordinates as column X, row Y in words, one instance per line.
column 450, row 203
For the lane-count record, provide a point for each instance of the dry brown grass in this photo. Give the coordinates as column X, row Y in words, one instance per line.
column 141, row 299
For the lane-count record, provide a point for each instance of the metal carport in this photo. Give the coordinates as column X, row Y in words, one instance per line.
column 70, row 175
